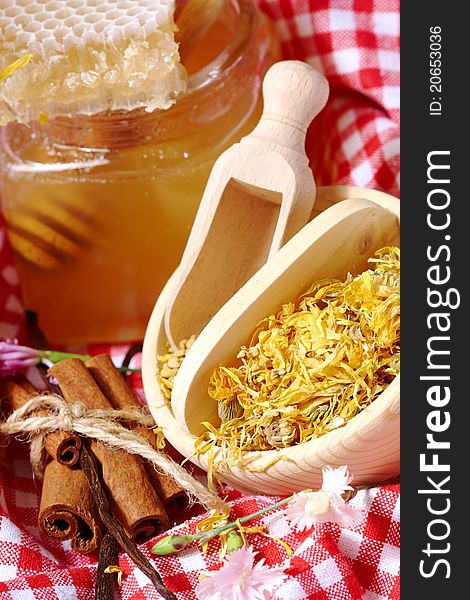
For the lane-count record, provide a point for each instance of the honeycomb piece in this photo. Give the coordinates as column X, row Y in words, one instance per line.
column 89, row 56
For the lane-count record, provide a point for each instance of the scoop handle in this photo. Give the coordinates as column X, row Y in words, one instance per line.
column 293, row 94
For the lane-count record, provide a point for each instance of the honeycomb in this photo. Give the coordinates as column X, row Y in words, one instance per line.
column 89, row 56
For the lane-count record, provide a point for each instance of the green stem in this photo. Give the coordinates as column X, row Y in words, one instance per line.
column 215, row 532
column 56, row 356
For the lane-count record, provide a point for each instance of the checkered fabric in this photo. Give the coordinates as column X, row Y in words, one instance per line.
column 354, row 141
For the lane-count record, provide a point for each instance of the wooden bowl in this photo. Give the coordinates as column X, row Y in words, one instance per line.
column 369, row 444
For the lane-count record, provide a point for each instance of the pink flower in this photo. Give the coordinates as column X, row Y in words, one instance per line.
column 241, row 579
column 326, row 505
column 15, row 358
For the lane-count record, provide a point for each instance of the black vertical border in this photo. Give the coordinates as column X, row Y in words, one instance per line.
column 421, row 133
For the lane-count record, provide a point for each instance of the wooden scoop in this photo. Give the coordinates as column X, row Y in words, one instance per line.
column 259, row 194
column 337, row 242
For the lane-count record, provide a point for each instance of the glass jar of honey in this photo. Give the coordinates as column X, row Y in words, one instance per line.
column 98, row 209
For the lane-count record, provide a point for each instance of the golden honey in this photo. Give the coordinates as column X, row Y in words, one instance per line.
column 98, row 209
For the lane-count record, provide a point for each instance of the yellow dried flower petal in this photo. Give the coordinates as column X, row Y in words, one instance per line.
column 312, row 366
column 213, row 521
column 115, row 569
column 159, row 437
column 286, row 546
column 14, row 66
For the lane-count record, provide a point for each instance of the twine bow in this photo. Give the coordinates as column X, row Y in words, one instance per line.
column 101, row 425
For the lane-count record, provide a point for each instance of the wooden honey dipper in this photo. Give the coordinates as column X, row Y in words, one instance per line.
column 52, row 232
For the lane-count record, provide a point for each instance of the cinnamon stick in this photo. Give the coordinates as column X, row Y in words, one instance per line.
column 120, row 394
column 173, row 496
column 134, row 501
column 67, row 510
column 61, row 445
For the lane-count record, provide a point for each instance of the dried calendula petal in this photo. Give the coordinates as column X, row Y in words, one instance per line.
column 19, row 63
column 311, row 367
column 160, row 438
column 115, row 569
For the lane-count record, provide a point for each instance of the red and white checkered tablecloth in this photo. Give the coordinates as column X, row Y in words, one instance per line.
column 354, row 141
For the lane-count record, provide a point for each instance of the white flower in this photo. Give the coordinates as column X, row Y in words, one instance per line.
column 326, row 505
column 240, row 578
column 336, row 481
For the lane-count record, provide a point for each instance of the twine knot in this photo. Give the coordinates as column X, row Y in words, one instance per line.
column 68, row 414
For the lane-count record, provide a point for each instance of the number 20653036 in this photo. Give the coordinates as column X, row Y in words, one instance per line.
column 435, row 70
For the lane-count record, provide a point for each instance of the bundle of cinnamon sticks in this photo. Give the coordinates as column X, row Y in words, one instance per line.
column 142, row 499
